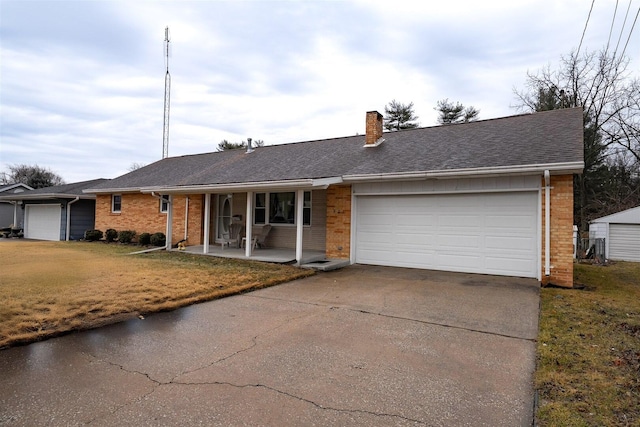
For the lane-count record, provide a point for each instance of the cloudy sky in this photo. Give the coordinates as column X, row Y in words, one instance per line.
column 82, row 82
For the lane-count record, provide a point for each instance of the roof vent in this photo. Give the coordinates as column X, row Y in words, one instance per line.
column 249, row 146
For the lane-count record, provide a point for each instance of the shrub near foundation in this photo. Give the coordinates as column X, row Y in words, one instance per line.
column 144, row 239
column 111, row 235
column 126, row 236
column 93, row 235
column 158, row 239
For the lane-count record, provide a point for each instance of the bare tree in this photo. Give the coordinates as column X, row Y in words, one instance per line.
column 135, row 165
column 609, row 94
column 32, row 175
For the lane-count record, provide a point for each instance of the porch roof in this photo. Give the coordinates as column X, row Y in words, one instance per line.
column 526, row 143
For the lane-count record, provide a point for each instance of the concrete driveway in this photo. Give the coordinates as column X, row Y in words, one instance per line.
column 364, row 345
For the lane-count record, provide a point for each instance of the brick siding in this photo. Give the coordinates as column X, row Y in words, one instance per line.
column 561, row 232
column 338, row 240
column 141, row 213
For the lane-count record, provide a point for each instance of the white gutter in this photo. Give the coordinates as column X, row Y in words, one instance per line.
column 547, row 225
column 111, row 190
column 247, row 186
column 569, row 167
column 167, row 241
column 69, row 216
column 43, row 196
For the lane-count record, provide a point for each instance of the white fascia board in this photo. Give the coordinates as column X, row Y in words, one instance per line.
column 320, row 183
column 13, row 186
column 558, row 168
column 45, row 196
column 111, row 190
column 628, row 216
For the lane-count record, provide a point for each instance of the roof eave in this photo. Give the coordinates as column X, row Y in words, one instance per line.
column 307, row 183
column 553, row 168
column 47, row 196
column 111, row 190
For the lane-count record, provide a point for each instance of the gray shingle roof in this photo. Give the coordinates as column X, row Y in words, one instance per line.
column 549, row 137
column 58, row 191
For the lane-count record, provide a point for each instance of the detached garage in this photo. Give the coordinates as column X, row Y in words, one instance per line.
column 621, row 232
column 61, row 212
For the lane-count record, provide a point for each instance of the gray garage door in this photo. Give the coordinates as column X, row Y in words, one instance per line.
column 624, row 242
column 492, row 233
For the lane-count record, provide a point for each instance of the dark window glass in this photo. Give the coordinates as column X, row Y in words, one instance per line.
column 260, row 208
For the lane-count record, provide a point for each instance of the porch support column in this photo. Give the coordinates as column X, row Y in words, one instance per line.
column 207, row 221
column 248, row 226
column 299, row 225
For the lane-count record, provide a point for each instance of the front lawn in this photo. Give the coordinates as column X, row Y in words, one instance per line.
column 48, row 288
column 588, row 370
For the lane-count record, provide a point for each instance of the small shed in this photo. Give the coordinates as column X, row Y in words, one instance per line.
column 621, row 232
column 61, row 212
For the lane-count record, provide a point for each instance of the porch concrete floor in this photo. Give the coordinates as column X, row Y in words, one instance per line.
column 275, row 255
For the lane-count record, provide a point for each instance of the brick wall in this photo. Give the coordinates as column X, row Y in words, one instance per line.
column 561, row 239
column 194, row 226
column 338, row 240
column 141, row 213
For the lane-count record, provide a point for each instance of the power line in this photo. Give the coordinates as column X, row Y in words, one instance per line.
column 613, row 21
column 630, row 32
column 624, row 23
column 585, row 27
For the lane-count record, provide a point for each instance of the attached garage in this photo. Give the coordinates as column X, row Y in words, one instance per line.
column 488, row 233
column 43, row 222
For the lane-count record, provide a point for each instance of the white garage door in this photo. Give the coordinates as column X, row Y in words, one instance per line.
column 624, row 242
column 492, row 233
column 42, row 222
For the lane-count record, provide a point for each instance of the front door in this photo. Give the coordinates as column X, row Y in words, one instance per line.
column 224, row 214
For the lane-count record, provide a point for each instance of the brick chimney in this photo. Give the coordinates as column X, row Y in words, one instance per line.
column 374, row 129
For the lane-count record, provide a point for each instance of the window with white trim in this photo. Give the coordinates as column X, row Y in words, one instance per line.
column 280, row 208
column 164, row 203
column 116, row 203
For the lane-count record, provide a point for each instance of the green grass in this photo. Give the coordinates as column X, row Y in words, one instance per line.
column 588, row 352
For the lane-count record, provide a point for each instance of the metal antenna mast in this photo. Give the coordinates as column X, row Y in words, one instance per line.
column 167, row 90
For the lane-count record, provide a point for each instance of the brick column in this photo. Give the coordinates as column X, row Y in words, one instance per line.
column 338, row 239
column 561, row 240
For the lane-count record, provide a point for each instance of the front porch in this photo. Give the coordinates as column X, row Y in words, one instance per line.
column 310, row 258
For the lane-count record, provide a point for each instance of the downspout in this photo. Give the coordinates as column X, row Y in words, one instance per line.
column 547, row 225
column 69, row 217
column 167, row 242
column 186, row 217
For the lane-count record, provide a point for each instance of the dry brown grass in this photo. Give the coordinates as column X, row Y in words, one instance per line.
column 49, row 288
column 588, row 370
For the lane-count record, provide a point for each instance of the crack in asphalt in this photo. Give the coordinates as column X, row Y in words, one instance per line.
column 302, row 399
column 158, row 383
column 426, row 322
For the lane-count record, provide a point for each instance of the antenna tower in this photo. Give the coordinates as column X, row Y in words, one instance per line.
column 167, row 90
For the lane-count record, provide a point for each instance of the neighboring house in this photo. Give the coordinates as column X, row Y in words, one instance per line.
column 621, row 232
column 10, row 212
column 471, row 197
column 61, row 212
